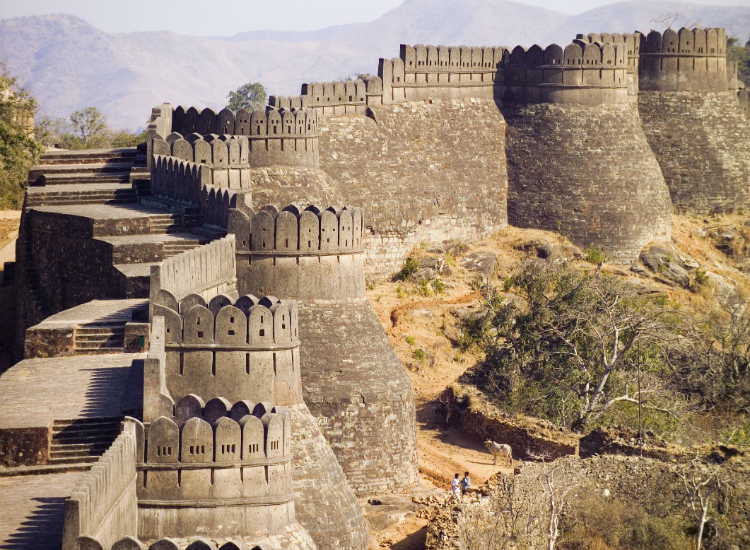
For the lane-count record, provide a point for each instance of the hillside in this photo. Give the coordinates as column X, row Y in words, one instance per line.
column 69, row 64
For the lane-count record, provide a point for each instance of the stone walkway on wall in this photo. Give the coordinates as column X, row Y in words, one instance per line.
column 36, row 392
column 31, row 510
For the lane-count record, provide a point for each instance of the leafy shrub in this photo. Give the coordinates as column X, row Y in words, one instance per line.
column 410, row 267
column 594, row 255
column 438, row 286
column 450, row 260
column 419, row 355
column 410, row 340
column 424, row 287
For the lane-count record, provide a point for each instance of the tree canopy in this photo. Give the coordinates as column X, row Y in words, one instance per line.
column 18, row 150
column 250, row 96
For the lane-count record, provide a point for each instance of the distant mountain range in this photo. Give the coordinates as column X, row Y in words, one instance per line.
column 68, row 64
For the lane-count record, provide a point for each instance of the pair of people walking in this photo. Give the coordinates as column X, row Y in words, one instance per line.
column 459, row 487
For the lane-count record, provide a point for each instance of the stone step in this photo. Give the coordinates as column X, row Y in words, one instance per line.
column 51, row 180
column 90, row 155
column 83, row 168
column 73, row 460
column 86, row 437
column 78, row 449
column 86, row 423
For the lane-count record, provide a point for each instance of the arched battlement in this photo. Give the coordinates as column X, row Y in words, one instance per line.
column 166, row 543
column 688, row 60
column 439, row 72
column 198, row 439
column 582, row 73
column 222, row 353
column 240, row 466
column 252, row 322
column 313, row 230
column 230, row 143
column 313, row 253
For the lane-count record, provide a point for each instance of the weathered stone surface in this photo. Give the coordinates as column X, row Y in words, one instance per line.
column 663, row 260
column 588, row 173
column 324, row 505
column 425, row 171
column 702, row 143
column 358, row 390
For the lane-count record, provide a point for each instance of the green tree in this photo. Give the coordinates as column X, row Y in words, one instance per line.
column 740, row 54
column 18, row 150
column 89, row 124
column 568, row 349
column 250, row 97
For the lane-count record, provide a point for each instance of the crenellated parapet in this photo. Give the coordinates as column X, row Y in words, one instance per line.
column 207, row 271
column 243, row 349
column 311, row 253
column 688, row 60
column 440, row 72
column 580, row 74
column 335, row 98
column 632, row 43
column 204, row 459
column 228, row 141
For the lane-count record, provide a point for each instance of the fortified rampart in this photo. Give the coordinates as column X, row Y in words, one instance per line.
column 581, row 74
column 440, row 72
column 102, row 506
column 334, row 98
column 246, row 349
column 693, row 121
column 632, row 51
column 315, row 256
column 424, row 172
column 227, row 357
column 685, row 61
column 599, row 183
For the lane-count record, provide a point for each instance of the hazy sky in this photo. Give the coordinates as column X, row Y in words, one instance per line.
column 228, row 17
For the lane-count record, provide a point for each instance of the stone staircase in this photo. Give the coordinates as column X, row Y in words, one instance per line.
column 83, row 440
column 83, row 177
column 99, row 338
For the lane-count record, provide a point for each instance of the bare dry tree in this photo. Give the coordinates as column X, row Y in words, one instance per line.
column 702, row 482
column 669, row 19
column 556, row 492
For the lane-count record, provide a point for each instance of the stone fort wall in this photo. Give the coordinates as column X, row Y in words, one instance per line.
column 580, row 74
column 240, row 350
column 702, row 143
column 585, row 189
column 424, row 171
column 324, row 503
column 693, row 119
column 102, row 506
column 352, row 382
column 691, row 60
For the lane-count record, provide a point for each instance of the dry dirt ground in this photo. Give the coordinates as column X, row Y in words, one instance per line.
column 9, row 220
column 414, row 321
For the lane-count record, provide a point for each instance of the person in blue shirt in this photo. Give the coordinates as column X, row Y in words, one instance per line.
column 465, row 483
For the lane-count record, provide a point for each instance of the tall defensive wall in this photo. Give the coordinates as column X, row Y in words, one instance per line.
column 220, row 366
column 352, row 380
column 693, row 122
column 578, row 161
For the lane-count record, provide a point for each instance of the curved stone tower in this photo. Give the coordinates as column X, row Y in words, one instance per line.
column 227, row 385
column 693, row 122
column 352, row 379
column 578, row 161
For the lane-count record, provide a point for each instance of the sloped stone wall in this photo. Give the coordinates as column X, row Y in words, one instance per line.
column 588, row 173
column 324, row 504
column 423, row 171
column 358, row 390
column 702, row 143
